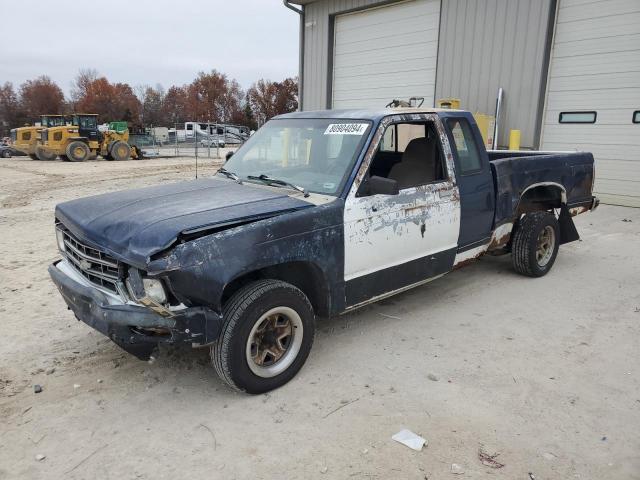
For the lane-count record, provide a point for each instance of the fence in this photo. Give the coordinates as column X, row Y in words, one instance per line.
column 179, row 141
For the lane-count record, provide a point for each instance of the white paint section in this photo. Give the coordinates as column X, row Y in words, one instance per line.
column 382, row 231
column 385, row 53
column 595, row 66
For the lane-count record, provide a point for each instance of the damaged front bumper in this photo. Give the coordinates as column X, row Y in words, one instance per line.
column 136, row 329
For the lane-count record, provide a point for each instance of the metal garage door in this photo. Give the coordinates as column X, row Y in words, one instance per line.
column 385, row 53
column 595, row 67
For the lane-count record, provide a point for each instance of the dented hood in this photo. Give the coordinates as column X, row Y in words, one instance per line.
column 133, row 225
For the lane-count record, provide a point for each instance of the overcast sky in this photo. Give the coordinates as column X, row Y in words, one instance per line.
column 147, row 41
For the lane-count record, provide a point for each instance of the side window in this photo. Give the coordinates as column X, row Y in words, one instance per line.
column 465, row 146
column 636, row 117
column 410, row 154
column 577, row 117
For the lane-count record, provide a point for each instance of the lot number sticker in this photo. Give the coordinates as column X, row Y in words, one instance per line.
column 346, row 129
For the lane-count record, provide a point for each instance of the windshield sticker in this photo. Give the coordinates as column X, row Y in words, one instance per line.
column 346, row 129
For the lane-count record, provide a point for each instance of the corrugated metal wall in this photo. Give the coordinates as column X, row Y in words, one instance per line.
column 484, row 44
column 487, row 44
column 317, row 47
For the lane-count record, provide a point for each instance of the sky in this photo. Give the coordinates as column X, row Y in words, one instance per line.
column 147, row 42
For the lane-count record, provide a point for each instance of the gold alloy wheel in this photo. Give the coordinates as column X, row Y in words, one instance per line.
column 274, row 342
column 546, row 245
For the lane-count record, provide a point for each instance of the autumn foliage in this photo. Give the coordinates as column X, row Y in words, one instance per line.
column 210, row 97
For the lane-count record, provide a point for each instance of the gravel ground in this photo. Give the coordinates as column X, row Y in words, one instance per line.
column 545, row 372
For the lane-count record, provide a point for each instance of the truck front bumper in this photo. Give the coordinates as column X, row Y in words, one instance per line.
column 136, row 329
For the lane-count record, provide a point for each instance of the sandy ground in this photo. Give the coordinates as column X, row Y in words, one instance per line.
column 545, row 372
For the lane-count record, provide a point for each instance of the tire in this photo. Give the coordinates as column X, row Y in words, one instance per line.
column 33, row 156
column 265, row 302
column 120, row 151
column 535, row 244
column 43, row 155
column 77, row 151
column 64, row 158
column 6, row 153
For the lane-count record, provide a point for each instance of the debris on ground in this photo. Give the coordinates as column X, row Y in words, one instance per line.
column 627, row 220
column 49, row 371
column 549, row 456
column 532, row 476
column 488, row 460
column 76, row 386
column 409, row 439
column 37, row 389
column 457, row 469
column 432, row 377
column 40, row 457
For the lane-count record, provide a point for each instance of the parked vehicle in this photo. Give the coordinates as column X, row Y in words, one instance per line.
column 27, row 139
column 6, row 151
column 212, row 142
column 83, row 139
column 317, row 214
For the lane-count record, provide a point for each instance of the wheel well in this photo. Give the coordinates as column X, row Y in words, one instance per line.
column 541, row 197
column 304, row 275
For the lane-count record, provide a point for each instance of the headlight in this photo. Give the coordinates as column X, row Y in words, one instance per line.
column 154, row 290
column 60, row 239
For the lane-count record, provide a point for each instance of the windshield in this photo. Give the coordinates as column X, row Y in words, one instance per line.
column 52, row 121
column 315, row 154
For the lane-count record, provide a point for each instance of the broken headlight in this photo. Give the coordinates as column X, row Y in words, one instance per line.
column 155, row 290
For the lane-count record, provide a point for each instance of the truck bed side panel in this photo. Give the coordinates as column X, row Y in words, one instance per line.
column 514, row 175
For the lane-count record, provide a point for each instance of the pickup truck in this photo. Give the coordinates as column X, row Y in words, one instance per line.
column 317, row 214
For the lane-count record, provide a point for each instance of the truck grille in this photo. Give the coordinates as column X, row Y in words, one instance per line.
column 97, row 267
column 44, row 135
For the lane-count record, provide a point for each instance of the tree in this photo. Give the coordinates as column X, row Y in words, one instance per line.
column 174, row 108
column 93, row 94
column 268, row 99
column 152, row 102
column 11, row 113
column 41, row 96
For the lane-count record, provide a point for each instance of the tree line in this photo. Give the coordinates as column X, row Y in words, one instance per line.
column 210, row 97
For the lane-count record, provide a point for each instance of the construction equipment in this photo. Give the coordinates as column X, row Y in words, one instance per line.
column 83, row 140
column 25, row 139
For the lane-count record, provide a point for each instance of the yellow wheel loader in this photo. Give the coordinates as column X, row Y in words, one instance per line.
column 82, row 140
column 26, row 139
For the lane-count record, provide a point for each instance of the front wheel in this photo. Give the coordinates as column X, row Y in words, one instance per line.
column 268, row 330
column 535, row 244
column 43, row 155
column 78, row 151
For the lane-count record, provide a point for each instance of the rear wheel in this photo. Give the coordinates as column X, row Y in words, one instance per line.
column 78, row 151
column 535, row 244
column 6, row 153
column 42, row 154
column 33, row 156
column 267, row 334
column 120, row 151
column 64, row 158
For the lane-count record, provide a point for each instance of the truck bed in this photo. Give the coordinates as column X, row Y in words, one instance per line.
column 515, row 172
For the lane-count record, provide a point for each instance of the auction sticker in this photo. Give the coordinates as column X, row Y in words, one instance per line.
column 346, row 129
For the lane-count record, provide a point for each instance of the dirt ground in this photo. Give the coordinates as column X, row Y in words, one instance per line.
column 545, row 372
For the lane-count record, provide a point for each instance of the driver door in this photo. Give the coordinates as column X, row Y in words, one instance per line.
column 396, row 241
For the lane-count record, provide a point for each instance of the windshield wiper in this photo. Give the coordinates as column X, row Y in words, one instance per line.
column 277, row 182
column 229, row 174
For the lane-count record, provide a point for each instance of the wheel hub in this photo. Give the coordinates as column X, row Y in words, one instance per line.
column 274, row 342
column 545, row 245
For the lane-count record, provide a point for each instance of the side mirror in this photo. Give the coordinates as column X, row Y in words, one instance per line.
column 375, row 185
column 228, row 156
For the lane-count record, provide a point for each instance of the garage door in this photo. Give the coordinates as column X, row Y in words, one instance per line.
column 594, row 90
column 386, row 53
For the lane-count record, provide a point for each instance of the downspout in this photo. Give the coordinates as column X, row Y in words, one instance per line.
column 300, row 12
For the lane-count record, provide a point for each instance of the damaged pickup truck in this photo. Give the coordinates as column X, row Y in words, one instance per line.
column 318, row 213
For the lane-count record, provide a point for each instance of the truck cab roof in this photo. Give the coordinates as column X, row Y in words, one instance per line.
column 364, row 114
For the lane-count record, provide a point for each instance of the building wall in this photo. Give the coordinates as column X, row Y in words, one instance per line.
column 487, row 44
column 484, row 44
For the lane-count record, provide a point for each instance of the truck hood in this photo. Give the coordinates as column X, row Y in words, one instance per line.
column 133, row 225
